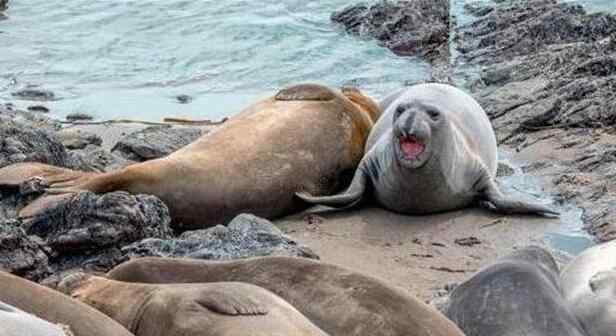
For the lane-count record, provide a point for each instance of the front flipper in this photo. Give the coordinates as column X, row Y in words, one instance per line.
column 350, row 197
column 490, row 193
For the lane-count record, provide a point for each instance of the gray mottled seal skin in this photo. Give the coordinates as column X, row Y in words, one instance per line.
column 432, row 150
column 202, row 309
column 14, row 322
column 56, row 307
column 519, row 295
column 337, row 300
column 589, row 286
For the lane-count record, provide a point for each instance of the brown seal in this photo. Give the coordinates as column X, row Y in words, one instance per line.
column 215, row 309
column 306, row 138
column 339, row 301
column 57, row 308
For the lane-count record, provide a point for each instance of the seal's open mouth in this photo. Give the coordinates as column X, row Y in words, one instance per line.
column 411, row 147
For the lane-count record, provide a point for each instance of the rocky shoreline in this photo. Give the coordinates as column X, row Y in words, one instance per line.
column 93, row 233
column 547, row 79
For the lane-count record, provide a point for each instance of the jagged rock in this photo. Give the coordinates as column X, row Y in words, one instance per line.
column 3, row 5
column 20, row 254
column 245, row 236
column 8, row 112
column 20, row 142
column 38, row 108
column 548, row 70
column 94, row 158
column 32, row 93
column 78, row 139
column 87, row 222
column 418, row 27
column 155, row 142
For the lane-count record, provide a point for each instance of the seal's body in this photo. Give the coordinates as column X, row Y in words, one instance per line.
column 339, row 301
column 212, row 309
column 55, row 307
column 432, row 150
column 589, row 286
column 519, row 295
column 307, row 137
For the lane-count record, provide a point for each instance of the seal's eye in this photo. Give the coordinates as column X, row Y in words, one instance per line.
column 399, row 110
column 434, row 115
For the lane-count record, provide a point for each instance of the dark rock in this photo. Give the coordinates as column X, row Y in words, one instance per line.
column 155, row 142
column 78, row 139
column 419, row 27
column 38, row 108
column 20, row 142
column 20, row 254
column 184, row 99
column 8, row 112
column 79, row 116
column 97, row 159
column 548, row 65
column 468, row 241
column 504, row 170
column 32, row 93
column 87, row 222
column 4, row 4
column 245, row 236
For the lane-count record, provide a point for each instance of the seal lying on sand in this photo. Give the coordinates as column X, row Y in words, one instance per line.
column 307, row 137
column 517, row 296
column 55, row 307
column 214, row 309
column 589, row 286
column 14, row 322
column 433, row 150
column 339, row 301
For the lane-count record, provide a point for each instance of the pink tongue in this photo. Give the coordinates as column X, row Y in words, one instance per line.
column 412, row 149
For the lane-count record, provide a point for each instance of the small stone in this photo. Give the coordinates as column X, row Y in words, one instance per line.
column 469, row 241
column 38, row 108
column 78, row 139
column 155, row 142
column 184, row 99
column 79, row 116
column 34, row 94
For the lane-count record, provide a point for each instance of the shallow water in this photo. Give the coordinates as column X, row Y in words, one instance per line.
column 132, row 58
column 119, row 58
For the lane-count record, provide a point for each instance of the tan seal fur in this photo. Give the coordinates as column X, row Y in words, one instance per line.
column 339, row 301
column 55, row 307
column 306, row 138
column 209, row 309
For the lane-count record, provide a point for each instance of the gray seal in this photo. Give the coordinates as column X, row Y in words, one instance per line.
column 15, row 322
column 432, row 150
column 519, row 295
column 589, row 286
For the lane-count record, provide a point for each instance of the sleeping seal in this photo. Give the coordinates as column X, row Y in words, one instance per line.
column 306, row 137
column 338, row 301
column 212, row 309
column 55, row 307
column 589, row 286
column 519, row 295
column 432, row 150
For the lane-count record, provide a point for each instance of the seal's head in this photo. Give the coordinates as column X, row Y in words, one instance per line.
column 417, row 132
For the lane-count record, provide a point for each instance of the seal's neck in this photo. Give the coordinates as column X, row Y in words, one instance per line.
column 363, row 102
column 123, row 302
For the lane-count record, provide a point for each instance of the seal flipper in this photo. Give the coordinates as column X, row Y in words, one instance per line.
column 350, row 197
column 489, row 192
column 232, row 303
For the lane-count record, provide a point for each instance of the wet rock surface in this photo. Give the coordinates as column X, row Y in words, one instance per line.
column 33, row 93
column 245, row 236
column 78, row 139
column 3, row 5
column 155, row 142
column 417, row 27
column 21, row 254
column 545, row 72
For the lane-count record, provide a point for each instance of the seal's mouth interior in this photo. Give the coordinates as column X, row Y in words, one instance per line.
column 411, row 147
